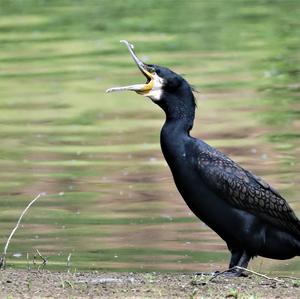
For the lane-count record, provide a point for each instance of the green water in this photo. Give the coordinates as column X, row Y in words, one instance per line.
column 111, row 201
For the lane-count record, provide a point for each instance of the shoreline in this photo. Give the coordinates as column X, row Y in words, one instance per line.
column 46, row 284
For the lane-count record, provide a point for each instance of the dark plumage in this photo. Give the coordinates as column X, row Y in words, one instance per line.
column 247, row 213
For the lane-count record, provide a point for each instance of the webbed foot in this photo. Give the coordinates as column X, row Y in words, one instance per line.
column 231, row 273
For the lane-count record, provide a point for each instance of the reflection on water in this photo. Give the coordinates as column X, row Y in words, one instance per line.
column 111, row 201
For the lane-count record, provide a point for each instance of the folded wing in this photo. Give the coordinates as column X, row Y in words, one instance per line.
column 245, row 191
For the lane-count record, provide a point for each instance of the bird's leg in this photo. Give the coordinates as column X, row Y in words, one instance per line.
column 238, row 258
column 243, row 262
column 236, row 255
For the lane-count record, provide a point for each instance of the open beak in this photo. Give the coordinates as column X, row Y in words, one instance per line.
column 139, row 88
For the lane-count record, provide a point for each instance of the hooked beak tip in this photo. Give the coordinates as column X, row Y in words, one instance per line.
column 139, row 88
column 128, row 44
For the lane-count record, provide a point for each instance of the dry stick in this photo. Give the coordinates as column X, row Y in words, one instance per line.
column 16, row 227
column 247, row 270
column 289, row 277
column 43, row 258
column 27, row 258
column 34, row 260
column 68, row 261
column 259, row 274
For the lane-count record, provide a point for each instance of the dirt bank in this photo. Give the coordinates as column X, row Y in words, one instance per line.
column 39, row 284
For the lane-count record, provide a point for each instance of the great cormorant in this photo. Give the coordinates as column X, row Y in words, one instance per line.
column 245, row 211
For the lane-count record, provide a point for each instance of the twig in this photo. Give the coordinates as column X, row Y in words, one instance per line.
column 43, row 258
column 69, row 261
column 27, row 258
column 259, row 274
column 34, row 260
column 3, row 259
column 247, row 270
column 289, row 277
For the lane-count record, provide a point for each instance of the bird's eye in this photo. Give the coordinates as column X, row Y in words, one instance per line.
column 151, row 69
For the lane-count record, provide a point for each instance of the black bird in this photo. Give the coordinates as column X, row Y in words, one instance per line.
column 245, row 211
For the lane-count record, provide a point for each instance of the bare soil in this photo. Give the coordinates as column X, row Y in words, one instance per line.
column 45, row 284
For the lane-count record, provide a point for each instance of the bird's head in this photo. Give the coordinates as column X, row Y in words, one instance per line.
column 164, row 87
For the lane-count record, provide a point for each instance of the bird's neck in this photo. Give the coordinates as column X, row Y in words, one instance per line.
column 177, row 127
column 179, row 121
column 180, row 112
column 174, row 134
